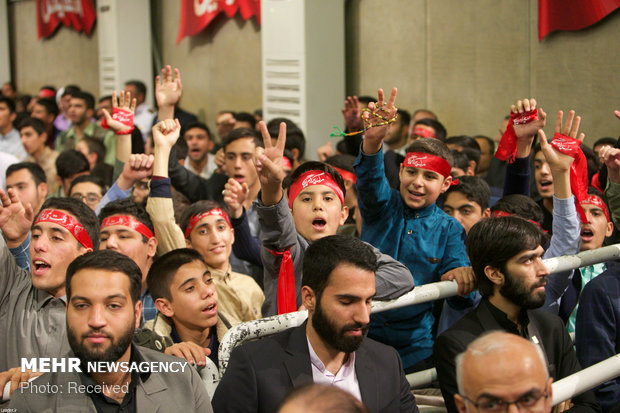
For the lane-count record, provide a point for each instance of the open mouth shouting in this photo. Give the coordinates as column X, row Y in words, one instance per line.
column 210, row 310
column 319, row 224
column 40, row 266
column 587, row 234
column 545, row 185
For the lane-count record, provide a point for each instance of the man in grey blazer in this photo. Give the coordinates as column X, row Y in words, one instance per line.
column 103, row 311
column 330, row 348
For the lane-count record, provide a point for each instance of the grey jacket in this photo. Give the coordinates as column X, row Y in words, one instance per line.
column 278, row 233
column 161, row 392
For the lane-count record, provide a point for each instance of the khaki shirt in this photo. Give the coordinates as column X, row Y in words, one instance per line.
column 68, row 139
column 238, row 296
column 32, row 322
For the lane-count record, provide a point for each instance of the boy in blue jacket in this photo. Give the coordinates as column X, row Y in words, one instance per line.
column 407, row 225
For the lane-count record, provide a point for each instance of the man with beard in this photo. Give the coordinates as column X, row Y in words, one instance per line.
column 103, row 311
column 330, row 348
column 506, row 256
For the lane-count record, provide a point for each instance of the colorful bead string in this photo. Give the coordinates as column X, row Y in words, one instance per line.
column 375, row 113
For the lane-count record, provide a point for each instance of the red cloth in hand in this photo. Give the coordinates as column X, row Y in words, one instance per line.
column 578, row 170
column 287, row 302
column 507, row 147
column 123, row 116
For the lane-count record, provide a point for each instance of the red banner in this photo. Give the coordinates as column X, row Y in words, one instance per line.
column 571, row 14
column 197, row 14
column 77, row 13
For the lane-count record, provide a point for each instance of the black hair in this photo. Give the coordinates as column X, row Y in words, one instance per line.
column 468, row 146
column 405, row 117
column 325, row 254
column 474, row 188
column 37, row 173
column 295, row 138
column 71, row 90
column 241, row 133
column 592, row 161
column 605, row 141
column 139, row 85
column 105, row 97
column 49, row 104
column 440, row 130
column 431, row 146
column 89, row 99
column 199, row 125
column 111, row 261
column 198, row 208
column 490, row 141
column 521, row 205
column 34, row 123
column 325, row 399
column 126, row 206
column 88, row 178
column 95, row 145
column 493, row 241
column 315, row 166
column 459, row 160
column 366, row 99
column 342, row 161
column 163, row 270
column 71, row 162
column 85, row 216
column 181, row 149
column 246, row 117
column 9, row 103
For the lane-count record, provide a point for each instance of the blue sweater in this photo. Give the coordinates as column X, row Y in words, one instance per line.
column 427, row 240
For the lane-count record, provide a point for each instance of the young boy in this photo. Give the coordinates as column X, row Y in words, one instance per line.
column 313, row 208
column 409, row 226
column 188, row 319
column 468, row 201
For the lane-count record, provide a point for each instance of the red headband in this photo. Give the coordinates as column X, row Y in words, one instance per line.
column 67, row 222
column 196, row 219
column 427, row 161
column 310, row 178
column 499, row 214
column 346, row 174
column 129, row 222
column 427, row 133
column 597, row 201
column 286, row 163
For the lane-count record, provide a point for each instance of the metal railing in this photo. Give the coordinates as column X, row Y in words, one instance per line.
column 252, row 330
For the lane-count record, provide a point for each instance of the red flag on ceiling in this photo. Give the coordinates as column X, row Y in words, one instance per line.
column 77, row 13
column 571, row 14
column 197, row 14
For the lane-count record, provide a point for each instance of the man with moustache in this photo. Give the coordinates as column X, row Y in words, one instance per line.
column 330, row 348
column 506, row 256
column 103, row 310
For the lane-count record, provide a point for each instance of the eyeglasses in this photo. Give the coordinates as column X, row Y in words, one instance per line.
column 89, row 198
column 529, row 402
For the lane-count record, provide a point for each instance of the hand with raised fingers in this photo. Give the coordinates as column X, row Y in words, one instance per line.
column 235, row 194
column 168, row 89
column 465, row 278
column 557, row 161
column 120, row 121
column 378, row 114
column 526, row 130
column 190, row 351
column 351, row 113
column 325, row 151
column 270, row 166
column 15, row 218
column 610, row 156
column 571, row 126
column 166, row 133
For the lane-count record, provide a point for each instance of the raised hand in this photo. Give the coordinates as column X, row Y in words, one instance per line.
column 528, row 130
column 610, row 156
column 166, row 133
column 269, row 165
column 235, row 194
column 168, row 88
column 325, row 151
column 126, row 103
column 137, row 168
column 351, row 113
column 15, row 218
column 377, row 113
column 571, row 126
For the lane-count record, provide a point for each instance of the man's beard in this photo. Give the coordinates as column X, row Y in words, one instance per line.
column 330, row 334
column 520, row 294
column 96, row 352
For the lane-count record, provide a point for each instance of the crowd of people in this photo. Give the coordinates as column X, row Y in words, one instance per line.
column 134, row 234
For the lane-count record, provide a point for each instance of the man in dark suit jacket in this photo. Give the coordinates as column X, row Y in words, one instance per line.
column 330, row 348
column 505, row 254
